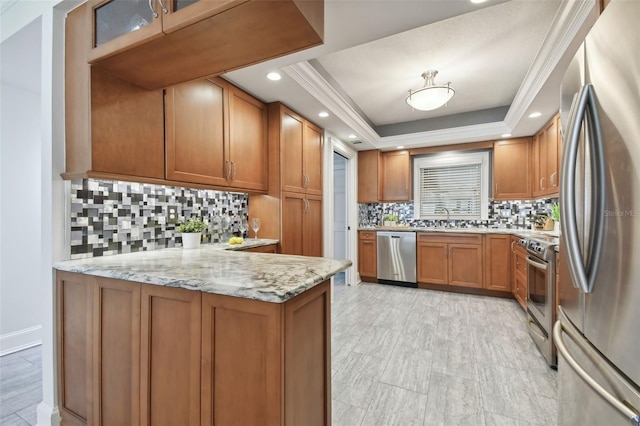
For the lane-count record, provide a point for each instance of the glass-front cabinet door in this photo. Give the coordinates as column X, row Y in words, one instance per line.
column 118, row 25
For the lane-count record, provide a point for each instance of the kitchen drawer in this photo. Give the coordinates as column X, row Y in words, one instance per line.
column 367, row 235
column 450, row 238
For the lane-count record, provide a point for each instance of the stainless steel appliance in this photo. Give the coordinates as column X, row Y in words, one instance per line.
column 541, row 290
column 599, row 317
column 397, row 258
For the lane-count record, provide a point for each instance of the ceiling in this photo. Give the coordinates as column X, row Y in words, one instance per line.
column 505, row 60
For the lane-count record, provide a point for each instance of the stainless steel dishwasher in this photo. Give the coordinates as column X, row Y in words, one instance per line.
column 397, row 258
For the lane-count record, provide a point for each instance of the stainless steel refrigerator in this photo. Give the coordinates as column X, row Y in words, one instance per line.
column 598, row 329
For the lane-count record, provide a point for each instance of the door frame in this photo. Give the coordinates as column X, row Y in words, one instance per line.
column 333, row 144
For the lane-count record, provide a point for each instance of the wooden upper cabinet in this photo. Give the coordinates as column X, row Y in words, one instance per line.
column 312, row 157
column 369, row 174
column 216, row 135
column 512, row 169
column 302, row 224
column 546, row 159
column 300, row 152
column 196, row 132
column 247, row 141
column 153, row 46
column 396, row 176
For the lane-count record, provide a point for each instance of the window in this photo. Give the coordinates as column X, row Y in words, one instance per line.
column 458, row 182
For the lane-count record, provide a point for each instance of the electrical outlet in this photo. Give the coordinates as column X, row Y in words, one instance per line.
column 172, row 214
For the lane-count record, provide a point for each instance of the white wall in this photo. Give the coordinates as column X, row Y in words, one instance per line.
column 21, row 205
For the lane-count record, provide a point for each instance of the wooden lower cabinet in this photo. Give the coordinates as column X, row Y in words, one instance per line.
column 519, row 272
column 271, row 248
column 452, row 259
column 368, row 256
column 142, row 354
column 497, row 255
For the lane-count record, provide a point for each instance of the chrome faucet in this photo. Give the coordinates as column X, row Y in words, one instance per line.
column 448, row 216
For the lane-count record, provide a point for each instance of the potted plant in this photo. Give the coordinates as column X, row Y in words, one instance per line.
column 191, row 232
column 555, row 215
column 390, row 219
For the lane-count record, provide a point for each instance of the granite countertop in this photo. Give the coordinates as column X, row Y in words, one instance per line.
column 246, row 244
column 510, row 231
column 212, row 269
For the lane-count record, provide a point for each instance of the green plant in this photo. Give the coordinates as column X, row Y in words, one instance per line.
column 555, row 212
column 391, row 217
column 193, row 225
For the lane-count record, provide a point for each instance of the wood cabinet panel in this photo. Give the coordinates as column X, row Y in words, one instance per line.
column 196, row 132
column 307, row 358
column 313, row 158
column 512, row 169
column 369, row 176
column 518, row 272
column 216, row 44
column 433, row 264
column 312, row 233
column 497, row 262
column 271, row 248
column 466, row 265
column 240, row 361
column 396, row 176
column 302, row 224
column 546, row 159
column 170, row 356
column 116, row 352
column 247, row 140
column 292, row 151
column 74, row 331
column 452, row 259
column 367, row 255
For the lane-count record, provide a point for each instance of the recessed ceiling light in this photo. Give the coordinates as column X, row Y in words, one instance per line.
column 323, row 114
column 478, row 1
column 506, row 135
column 401, row 147
column 352, row 136
column 535, row 114
column 274, row 76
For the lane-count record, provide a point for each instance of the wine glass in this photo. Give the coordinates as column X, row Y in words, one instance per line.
column 243, row 226
column 255, row 225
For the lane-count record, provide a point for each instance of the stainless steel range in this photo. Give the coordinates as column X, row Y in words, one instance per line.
column 541, row 292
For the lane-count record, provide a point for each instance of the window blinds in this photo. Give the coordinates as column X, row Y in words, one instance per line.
column 456, row 188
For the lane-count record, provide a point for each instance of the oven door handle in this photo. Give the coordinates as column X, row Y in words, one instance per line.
column 535, row 264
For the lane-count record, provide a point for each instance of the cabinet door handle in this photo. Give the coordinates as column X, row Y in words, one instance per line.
column 306, row 206
column 233, row 167
column 164, row 8
column 541, row 180
column 496, row 191
column 155, row 14
column 552, row 179
column 228, row 174
column 512, row 243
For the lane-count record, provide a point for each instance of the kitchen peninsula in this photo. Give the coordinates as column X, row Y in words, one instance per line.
column 190, row 337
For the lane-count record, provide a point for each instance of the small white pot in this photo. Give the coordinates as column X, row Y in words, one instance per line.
column 556, row 226
column 191, row 240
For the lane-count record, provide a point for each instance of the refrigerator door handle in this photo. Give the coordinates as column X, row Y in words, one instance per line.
column 583, row 108
column 630, row 412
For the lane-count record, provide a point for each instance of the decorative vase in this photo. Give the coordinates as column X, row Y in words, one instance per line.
column 191, row 240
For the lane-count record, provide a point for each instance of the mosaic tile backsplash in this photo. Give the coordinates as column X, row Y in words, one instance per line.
column 502, row 214
column 111, row 217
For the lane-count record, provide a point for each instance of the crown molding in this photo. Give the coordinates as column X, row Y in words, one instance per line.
column 567, row 24
column 311, row 80
column 453, row 135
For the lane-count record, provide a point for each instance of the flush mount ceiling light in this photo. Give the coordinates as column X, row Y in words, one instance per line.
column 274, row 76
column 431, row 96
column 323, row 114
column 535, row 114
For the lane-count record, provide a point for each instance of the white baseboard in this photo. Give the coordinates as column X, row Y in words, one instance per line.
column 48, row 416
column 21, row 339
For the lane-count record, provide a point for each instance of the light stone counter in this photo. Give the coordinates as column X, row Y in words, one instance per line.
column 510, row 231
column 260, row 276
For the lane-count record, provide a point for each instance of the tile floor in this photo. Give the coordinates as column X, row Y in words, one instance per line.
column 400, row 357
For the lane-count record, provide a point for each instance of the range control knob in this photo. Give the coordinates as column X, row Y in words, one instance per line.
column 522, row 242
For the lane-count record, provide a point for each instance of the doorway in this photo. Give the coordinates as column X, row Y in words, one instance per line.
column 340, row 249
